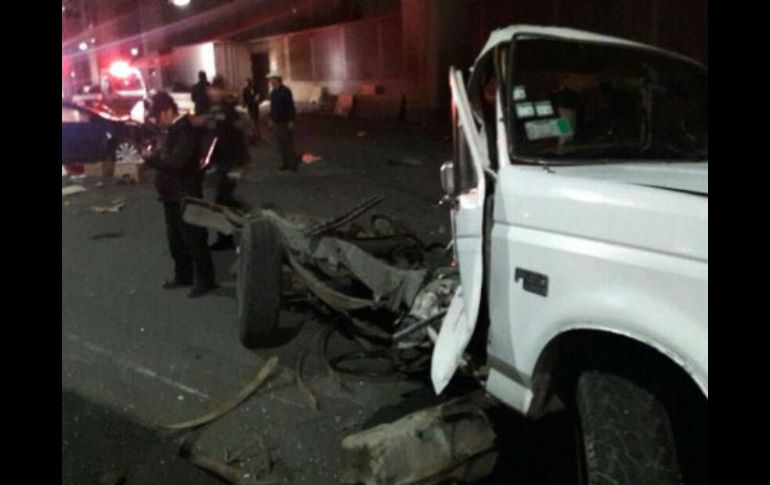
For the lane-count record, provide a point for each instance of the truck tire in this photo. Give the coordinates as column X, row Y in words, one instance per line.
column 258, row 282
column 625, row 433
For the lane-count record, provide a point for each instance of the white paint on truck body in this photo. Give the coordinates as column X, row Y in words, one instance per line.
column 620, row 258
column 624, row 247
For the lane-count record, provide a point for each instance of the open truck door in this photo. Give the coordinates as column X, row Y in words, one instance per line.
column 465, row 187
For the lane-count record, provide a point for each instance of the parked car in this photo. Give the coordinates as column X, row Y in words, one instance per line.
column 90, row 135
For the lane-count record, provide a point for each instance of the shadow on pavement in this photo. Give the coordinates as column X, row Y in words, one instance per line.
column 102, row 447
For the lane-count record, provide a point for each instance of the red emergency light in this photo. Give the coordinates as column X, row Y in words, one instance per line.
column 120, row 69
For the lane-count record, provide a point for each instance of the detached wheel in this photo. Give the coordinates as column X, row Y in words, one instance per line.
column 625, row 433
column 259, row 282
column 126, row 151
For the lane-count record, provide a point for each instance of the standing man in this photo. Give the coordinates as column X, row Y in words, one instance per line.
column 227, row 152
column 251, row 99
column 282, row 113
column 200, row 94
column 176, row 159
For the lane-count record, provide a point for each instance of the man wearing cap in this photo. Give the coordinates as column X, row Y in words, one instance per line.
column 177, row 159
column 282, row 113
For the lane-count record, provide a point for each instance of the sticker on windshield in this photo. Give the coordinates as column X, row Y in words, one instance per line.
column 519, row 93
column 543, row 108
column 539, row 129
column 525, row 110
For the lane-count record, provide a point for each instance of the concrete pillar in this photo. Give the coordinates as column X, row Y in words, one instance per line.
column 151, row 21
column 93, row 67
column 435, row 35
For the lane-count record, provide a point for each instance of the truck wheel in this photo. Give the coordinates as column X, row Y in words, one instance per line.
column 258, row 282
column 625, row 434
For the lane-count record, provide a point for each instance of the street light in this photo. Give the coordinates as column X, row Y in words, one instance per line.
column 83, row 46
column 181, row 3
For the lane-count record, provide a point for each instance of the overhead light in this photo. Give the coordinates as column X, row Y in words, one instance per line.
column 83, row 46
column 181, row 3
column 93, row 40
column 134, row 51
column 72, row 73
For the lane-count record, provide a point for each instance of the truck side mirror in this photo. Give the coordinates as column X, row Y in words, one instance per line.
column 448, row 178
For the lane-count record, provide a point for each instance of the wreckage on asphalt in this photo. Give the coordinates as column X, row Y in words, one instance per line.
column 578, row 194
column 384, row 279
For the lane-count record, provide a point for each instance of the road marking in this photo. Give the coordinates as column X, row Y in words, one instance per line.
column 136, row 367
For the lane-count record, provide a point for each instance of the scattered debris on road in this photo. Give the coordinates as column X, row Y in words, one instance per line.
column 308, row 158
column 106, row 235
column 113, row 207
column 72, row 190
column 311, row 397
column 232, row 403
column 222, row 470
column 452, row 441
column 130, row 172
column 345, row 218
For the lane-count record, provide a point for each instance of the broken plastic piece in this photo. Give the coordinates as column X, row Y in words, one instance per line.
column 310, row 158
column 72, row 190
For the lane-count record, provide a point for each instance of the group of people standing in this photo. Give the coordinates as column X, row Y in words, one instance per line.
column 208, row 139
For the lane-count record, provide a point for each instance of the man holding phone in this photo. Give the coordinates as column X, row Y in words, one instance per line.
column 177, row 160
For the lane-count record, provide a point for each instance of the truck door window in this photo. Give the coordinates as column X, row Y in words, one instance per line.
column 483, row 96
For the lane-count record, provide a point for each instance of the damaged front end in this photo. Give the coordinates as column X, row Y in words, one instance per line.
column 383, row 278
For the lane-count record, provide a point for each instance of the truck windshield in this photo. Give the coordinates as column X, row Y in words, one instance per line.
column 580, row 102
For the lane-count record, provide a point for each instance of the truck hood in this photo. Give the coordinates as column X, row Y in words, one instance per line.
column 660, row 208
column 689, row 177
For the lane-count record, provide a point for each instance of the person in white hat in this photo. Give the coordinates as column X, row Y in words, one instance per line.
column 282, row 114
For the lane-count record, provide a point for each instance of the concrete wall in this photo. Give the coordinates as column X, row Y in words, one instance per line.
column 436, row 35
column 182, row 64
column 233, row 61
column 339, row 58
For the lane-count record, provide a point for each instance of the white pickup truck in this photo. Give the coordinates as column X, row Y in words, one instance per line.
column 578, row 195
column 579, row 202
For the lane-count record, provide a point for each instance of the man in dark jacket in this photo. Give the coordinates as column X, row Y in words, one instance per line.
column 200, row 94
column 177, row 160
column 251, row 98
column 282, row 114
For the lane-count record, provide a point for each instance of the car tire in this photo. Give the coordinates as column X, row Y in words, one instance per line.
column 624, row 434
column 258, row 282
column 126, row 151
